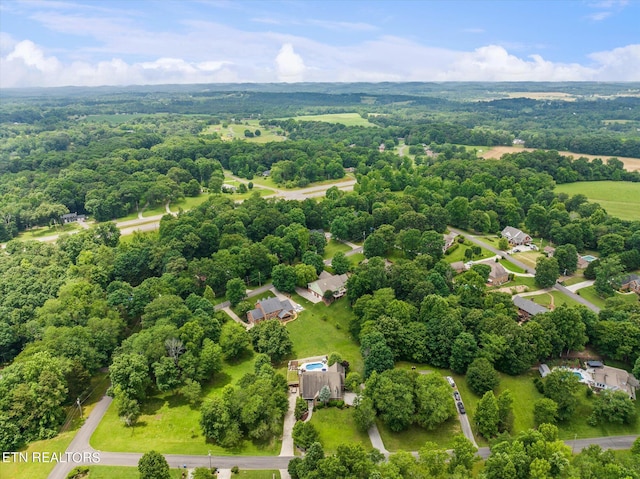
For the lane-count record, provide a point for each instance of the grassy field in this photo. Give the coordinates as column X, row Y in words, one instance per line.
column 528, row 257
column 333, row 247
column 458, row 253
column 48, row 230
column 619, row 198
column 188, row 203
column 156, row 210
column 246, row 474
column 347, row 119
column 233, row 132
column 589, row 293
column 510, row 266
column 169, row 425
column 324, row 329
column 559, row 299
column 117, row 472
column 336, row 426
column 415, row 437
column 575, row 279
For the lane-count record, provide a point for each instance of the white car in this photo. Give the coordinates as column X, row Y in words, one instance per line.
column 451, row 381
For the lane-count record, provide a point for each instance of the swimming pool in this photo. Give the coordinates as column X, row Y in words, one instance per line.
column 580, row 377
column 589, row 258
column 314, row 367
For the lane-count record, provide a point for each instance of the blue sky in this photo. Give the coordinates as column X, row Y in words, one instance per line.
column 122, row 42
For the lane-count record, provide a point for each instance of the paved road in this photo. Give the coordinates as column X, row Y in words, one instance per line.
column 585, row 284
column 575, row 297
column 376, row 440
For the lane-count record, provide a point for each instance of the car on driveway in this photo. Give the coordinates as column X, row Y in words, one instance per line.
column 461, row 408
column 456, row 395
column 451, row 382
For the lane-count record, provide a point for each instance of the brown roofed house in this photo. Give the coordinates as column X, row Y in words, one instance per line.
column 630, row 282
column 498, row 274
column 515, row 236
column 311, row 382
column 326, row 281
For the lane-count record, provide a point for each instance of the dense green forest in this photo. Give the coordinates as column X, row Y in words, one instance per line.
column 145, row 307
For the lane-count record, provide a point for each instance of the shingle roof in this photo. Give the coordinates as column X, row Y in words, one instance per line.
column 529, row 306
column 328, row 281
column 513, row 233
column 272, row 305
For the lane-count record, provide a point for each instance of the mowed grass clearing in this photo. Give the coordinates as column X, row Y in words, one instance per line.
column 321, row 330
column 336, row 426
column 618, row 198
column 122, row 472
column 347, row 119
column 171, row 426
column 589, row 293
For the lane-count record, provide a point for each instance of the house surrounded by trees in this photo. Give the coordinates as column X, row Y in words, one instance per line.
column 515, row 236
column 311, row 382
column 271, row 308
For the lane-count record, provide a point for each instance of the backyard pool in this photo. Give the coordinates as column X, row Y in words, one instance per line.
column 314, row 367
column 589, row 258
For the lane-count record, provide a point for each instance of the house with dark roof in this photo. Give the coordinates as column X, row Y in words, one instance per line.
column 311, row 382
column 271, row 308
column 527, row 308
column 72, row 218
column 515, row 236
column 630, row 282
column 329, row 282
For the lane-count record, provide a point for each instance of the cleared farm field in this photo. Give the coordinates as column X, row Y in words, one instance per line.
column 496, row 152
column 347, row 119
column 619, row 198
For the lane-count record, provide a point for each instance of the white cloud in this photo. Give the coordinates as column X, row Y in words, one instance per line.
column 290, row 66
column 599, row 16
column 197, row 57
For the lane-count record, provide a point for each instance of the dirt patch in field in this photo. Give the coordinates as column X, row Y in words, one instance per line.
column 495, row 153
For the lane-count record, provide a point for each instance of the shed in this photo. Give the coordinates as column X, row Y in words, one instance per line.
column 544, row 370
column 595, row 364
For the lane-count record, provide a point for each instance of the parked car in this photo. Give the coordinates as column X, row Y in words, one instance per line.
column 456, row 395
column 461, row 408
column 451, row 382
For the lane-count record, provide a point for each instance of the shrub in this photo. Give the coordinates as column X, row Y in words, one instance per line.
column 537, row 382
column 78, row 472
column 301, row 408
column 235, row 470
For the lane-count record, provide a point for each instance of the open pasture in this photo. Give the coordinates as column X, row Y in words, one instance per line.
column 618, row 198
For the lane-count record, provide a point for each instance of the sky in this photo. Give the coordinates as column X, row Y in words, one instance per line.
column 51, row 43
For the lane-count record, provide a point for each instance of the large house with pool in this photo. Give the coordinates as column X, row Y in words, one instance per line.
column 313, row 376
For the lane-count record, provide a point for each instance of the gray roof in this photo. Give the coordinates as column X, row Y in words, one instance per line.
column 328, row 281
column 528, row 306
column 628, row 278
column 513, row 233
column 256, row 313
column 544, row 370
column 272, row 305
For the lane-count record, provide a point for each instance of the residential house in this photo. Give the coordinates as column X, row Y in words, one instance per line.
column 228, row 188
column 527, row 308
column 614, row 379
column 630, row 282
column 549, row 250
column 381, row 148
column 458, row 266
column 72, row 218
column 449, row 240
column 311, row 382
column 271, row 308
column 515, row 236
column 498, row 274
column 326, row 281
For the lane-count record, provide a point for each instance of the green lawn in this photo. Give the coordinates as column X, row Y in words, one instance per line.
column 333, row 247
column 528, row 257
column 575, row 279
column 188, row 203
column 592, row 296
column 121, row 472
column 356, row 259
column 322, row 329
column 234, row 131
column 577, row 426
column 458, row 253
column 618, row 198
column 336, row 426
column 246, row 474
column 39, row 232
column 510, row 266
column 170, row 426
column 529, row 282
column 347, row 119
column 156, row 210
column 559, row 299
column 415, row 437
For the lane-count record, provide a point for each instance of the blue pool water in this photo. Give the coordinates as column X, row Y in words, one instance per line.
column 313, row 366
column 578, row 374
column 589, row 258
